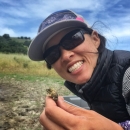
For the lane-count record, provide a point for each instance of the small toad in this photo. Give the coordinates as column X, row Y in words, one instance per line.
column 52, row 93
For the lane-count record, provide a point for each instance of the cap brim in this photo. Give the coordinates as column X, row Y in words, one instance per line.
column 35, row 51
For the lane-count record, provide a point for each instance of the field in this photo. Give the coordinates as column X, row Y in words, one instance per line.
column 22, row 40
column 21, row 64
column 22, row 91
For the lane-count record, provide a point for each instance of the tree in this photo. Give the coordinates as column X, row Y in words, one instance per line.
column 26, row 43
column 6, row 36
column 12, row 45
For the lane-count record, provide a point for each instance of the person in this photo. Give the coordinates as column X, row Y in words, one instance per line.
column 91, row 71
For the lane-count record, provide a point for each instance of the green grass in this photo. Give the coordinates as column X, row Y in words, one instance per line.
column 31, row 78
column 20, row 40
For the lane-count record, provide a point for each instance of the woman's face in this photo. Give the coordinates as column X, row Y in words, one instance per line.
column 77, row 65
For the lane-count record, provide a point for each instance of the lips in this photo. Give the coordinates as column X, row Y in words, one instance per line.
column 75, row 66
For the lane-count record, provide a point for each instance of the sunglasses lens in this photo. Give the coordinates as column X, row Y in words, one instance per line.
column 52, row 55
column 72, row 40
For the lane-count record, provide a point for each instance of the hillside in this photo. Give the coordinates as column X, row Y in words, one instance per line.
column 10, row 44
column 20, row 39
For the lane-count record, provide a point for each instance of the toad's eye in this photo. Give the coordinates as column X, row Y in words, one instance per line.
column 48, row 90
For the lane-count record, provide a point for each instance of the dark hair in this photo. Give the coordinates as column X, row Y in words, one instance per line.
column 102, row 39
column 100, row 48
column 48, row 66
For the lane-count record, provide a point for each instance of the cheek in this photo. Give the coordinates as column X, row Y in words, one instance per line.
column 58, row 67
column 55, row 67
column 88, row 46
column 60, row 70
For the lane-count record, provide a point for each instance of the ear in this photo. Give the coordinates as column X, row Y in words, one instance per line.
column 95, row 38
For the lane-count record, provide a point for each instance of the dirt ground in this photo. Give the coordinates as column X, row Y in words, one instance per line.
column 21, row 104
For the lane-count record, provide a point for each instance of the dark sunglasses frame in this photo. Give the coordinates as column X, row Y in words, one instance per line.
column 68, row 42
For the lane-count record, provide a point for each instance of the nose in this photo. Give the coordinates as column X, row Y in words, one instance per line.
column 66, row 55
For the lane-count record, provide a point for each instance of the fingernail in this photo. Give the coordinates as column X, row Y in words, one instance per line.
column 61, row 98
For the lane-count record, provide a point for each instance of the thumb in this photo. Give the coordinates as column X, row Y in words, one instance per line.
column 75, row 110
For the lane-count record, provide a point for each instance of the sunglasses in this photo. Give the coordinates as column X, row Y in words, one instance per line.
column 68, row 42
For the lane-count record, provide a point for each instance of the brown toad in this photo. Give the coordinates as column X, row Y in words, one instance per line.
column 52, row 93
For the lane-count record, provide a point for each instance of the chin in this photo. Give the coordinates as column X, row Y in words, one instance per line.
column 81, row 82
column 82, row 79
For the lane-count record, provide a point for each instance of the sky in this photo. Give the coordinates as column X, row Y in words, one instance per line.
column 111, row 18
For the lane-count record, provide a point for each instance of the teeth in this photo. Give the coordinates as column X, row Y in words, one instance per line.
column 75, row 66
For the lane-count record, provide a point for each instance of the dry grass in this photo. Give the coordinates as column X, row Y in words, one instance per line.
column 19, row 63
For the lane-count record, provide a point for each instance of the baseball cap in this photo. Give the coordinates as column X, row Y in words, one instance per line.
column 53, row 24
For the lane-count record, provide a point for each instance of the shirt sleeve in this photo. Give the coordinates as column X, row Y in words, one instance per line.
column 125, row 125
column 126, row 88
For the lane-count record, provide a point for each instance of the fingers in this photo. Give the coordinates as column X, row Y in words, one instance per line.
column 66, row 116
column 50, row 102
column 57, row 115
column 48, row 124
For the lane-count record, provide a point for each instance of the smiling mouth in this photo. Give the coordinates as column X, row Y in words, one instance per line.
column 75, row 66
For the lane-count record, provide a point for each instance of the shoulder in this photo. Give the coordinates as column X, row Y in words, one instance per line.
column 122, row 57
column 122, row 54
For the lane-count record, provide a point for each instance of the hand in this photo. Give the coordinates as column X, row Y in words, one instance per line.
column 63, row 116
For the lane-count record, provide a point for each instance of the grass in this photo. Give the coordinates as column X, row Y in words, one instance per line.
column 20, row 68
column 19, row 64
column 20, row 39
